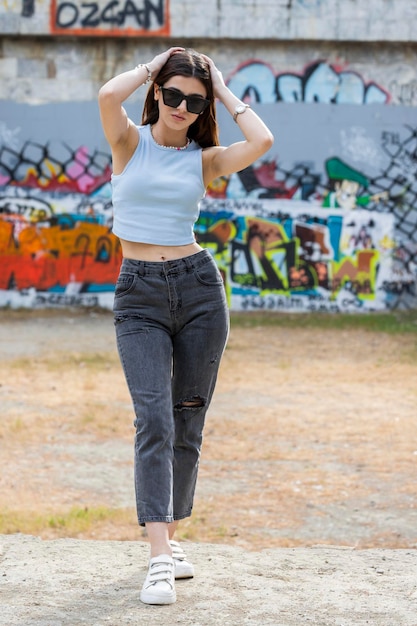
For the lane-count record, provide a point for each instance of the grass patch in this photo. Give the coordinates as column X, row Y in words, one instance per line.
column 398, row 321
column 23, row 313
column 64, row 360
column 393, row 322
column 63, row 524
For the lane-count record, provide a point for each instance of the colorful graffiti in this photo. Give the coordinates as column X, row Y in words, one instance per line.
column 288, row 248
column 296, row 261
column 112, row 17
column 55, row 224
column 370, row 221
column 256, row 81
column 328, row 221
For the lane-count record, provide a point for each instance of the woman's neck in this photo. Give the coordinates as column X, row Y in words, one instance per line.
column 171, row 139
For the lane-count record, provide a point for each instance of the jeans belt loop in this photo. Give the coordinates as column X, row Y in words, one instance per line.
column 188, row 263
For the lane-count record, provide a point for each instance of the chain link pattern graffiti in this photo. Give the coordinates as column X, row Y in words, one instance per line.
column 56, row 216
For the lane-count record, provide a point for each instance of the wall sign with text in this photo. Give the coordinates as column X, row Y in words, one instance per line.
column 146, row 18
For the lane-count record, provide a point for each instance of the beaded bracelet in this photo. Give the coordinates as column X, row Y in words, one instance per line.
column 148, row 80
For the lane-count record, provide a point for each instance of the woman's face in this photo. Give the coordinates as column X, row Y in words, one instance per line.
column 179, row 117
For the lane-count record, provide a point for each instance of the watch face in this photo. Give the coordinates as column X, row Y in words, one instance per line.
column 240, row 108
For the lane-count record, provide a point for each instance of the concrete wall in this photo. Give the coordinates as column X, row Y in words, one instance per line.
column 337, row 83
column 43, row 70
column 312, row 20
column 41, row 63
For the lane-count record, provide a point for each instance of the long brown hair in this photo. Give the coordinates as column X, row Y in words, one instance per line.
column 187, row 63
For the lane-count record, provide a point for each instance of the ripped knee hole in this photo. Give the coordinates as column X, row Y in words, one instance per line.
column 195, row 402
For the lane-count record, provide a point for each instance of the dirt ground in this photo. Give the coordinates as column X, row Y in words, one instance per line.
column 306, row 507
column 311, row 437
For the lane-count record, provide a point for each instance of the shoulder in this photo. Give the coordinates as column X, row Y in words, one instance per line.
column 143, row 129
column 123, row 151
column 139, row 136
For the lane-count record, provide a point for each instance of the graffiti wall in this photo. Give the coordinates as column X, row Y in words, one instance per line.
column 280, row 257
column 327, row 220
column 318, row 82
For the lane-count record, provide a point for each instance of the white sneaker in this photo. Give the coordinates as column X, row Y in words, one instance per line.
column 183, row 568
column 159, row 585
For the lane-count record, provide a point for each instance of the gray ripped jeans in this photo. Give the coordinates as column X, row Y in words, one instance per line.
column 172, row 323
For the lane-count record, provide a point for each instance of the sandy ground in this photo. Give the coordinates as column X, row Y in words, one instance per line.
column 69, row 582
column 306, row 507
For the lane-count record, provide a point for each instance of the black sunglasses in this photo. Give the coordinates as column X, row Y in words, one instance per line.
column 173, row 98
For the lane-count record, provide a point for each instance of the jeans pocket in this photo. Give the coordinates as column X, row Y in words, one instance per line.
column 209, row 274
column 125, row 284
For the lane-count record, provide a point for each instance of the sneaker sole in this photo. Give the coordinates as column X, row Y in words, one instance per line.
column 186, row 573
column 153, row 598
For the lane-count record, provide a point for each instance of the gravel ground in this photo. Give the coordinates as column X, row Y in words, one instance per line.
column 68, row 582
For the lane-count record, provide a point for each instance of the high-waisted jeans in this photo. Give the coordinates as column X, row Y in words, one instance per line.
column 172, row 323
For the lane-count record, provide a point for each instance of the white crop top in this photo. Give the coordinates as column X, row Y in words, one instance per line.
column 156, row 197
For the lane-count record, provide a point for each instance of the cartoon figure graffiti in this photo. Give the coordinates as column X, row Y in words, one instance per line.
column 344, row 186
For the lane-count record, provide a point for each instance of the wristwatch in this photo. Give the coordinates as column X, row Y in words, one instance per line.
column 240, row 108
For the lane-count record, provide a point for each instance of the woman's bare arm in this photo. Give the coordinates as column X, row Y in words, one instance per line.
column 221, row 161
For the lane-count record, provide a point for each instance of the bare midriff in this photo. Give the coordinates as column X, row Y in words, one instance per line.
column 151, row 252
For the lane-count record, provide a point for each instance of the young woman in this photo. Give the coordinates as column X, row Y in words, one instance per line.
column 170, row 309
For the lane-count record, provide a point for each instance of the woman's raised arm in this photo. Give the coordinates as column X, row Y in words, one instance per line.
column 221, row 161
column 111, row 96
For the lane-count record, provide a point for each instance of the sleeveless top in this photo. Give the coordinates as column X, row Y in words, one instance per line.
column 156, row 197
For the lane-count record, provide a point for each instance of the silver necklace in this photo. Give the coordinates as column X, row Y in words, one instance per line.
column 171, row 147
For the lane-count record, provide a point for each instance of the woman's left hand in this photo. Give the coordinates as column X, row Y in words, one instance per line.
column 216, row 77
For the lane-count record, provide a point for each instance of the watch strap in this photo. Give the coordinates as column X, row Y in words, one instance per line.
column 240, row 108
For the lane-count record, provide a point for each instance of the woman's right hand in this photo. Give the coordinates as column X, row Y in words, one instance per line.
column 159, row 61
